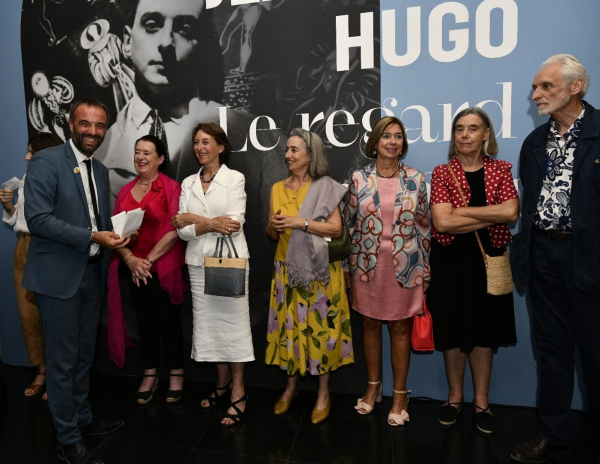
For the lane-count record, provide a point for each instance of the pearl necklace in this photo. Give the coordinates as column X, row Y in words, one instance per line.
column 391, row 175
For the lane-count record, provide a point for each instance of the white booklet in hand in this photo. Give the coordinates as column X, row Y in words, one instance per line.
column 12, row 184
column 127, row 222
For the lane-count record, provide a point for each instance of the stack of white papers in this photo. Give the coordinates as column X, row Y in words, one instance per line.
column 127, row 222
column 12, row 184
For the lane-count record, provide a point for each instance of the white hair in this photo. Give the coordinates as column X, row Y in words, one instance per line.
column 571, row 69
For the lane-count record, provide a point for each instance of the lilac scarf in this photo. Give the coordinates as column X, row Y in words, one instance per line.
column 307, row 255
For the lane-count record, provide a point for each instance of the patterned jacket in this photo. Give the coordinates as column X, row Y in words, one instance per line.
column 411, row 233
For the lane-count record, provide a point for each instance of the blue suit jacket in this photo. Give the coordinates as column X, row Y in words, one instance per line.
column 59, row 220
column 585, row 200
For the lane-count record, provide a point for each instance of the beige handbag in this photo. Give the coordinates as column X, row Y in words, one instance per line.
column 497, row 268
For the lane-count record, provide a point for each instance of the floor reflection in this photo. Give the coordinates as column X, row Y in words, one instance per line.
column 182, row 432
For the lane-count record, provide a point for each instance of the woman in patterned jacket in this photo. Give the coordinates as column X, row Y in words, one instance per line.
column 388, row 216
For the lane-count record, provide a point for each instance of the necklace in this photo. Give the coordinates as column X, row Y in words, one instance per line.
column 209, row 180
column 391, row 175
column 146, row 183
column 295, row 191
column 145, row 190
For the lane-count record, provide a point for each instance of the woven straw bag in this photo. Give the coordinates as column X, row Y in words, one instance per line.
column 497, row 268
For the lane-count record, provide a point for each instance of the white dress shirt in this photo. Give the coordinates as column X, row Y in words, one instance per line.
column 94, row 248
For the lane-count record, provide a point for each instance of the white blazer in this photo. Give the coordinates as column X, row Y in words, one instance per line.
column 225, row 197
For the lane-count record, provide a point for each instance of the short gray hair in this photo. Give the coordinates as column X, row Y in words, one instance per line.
column 489, row 147
column 571, row 69
column 314, row 146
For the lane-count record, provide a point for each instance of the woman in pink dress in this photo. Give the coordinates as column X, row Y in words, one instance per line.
column 387, row 213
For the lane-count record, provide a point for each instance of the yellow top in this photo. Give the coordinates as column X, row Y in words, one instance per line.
column 289, row 201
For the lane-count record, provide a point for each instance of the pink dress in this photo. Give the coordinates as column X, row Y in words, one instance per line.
column 383, row 298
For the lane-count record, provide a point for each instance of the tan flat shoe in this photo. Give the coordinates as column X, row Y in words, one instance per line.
column 282, row 406
column 319, row 415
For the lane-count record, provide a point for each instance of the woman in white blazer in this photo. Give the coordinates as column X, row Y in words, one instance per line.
column 213, row 204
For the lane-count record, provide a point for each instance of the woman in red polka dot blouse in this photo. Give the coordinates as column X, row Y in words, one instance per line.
column 467, row 321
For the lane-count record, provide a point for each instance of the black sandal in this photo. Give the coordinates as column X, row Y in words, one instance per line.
column 146, row 396
column 484, row 420
column 216, row 399
column 173, row 396
column 448, row 414
column 236, row 418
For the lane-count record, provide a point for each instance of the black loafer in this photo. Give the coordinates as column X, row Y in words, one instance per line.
column 448, row 414
column 99, row 427
column 77, row 453
column 538, row 450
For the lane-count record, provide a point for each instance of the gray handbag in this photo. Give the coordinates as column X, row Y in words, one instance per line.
column 225, row 276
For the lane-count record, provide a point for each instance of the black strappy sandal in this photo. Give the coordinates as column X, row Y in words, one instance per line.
column 173, row 396
column 216, row 399
column 448, row 414
column 146, row 396
column 236, row 418
column 484, row 420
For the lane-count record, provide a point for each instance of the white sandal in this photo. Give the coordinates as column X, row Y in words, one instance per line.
column 368, row 409
column 399, row 419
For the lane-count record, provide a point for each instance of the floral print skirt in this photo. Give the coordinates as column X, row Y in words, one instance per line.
column 309, row 330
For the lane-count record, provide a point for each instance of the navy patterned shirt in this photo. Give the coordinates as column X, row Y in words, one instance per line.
column 554, row 205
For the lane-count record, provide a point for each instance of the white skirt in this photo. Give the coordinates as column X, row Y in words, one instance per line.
column 221, row 324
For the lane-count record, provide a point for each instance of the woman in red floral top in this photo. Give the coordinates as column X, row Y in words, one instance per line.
column 468, row 323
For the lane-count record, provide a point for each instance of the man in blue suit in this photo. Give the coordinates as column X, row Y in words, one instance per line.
column 67, row 211
column 557, row 253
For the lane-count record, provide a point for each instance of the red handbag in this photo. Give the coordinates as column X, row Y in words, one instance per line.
column 421, row 331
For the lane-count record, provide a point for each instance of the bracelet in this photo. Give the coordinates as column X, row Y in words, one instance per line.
column 305, row 225
column 149, row 260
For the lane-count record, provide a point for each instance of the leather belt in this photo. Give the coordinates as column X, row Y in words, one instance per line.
column 556, row 234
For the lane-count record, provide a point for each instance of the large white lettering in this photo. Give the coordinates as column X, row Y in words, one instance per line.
column 418, row 119
column 460, row 37
column 510, row 21
column 252, row 131
column 329, row 125
column 388, row 30
column 215, row 3
column 437, row 33
column 364, row 41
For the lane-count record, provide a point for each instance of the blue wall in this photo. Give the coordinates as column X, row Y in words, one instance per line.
column 544, row 27
column 13, row 133
column 476, row 64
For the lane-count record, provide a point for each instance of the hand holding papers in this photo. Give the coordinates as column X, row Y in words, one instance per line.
column 127, row 222
column 12, row 184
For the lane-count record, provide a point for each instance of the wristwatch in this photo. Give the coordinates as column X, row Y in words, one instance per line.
column 305, row 225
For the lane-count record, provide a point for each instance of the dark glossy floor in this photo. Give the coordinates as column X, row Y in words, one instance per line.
column 183, row 433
